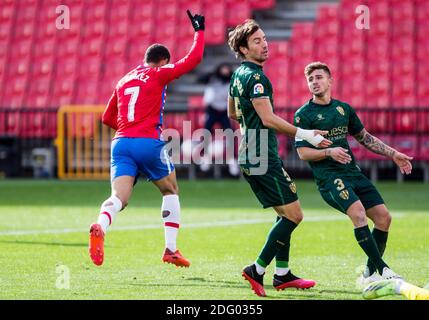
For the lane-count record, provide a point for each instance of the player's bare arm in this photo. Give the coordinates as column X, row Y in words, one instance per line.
column 377, row 146
column 270, row 120
column 231, row 109
column 110, row 114
column 338, row 154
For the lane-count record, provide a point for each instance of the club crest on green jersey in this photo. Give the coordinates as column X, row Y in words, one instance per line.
column 341, row 110
column 344, row 194
column 292, row 187
column 258, row 89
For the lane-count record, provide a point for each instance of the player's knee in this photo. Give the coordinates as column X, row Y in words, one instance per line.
column 298, row 217
column 169, row 189
column 384, row 220
column 359, row 218
column 294, row 216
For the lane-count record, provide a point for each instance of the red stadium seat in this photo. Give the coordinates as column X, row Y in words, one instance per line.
column 38, row 93
column 238, row 11
column 195, row 102
column 401, row 10
column 357, row 149
column 87, row 92
column 44, row 48
column 282, row 143
column 262, row 4
column 95, row 11
column 406, row 122
column 12, row 125
column 26, row 11
column 405, row 91
column 194, row 7
column 327, row 21
column 140, row 36
column 403, row 48
column 91, row 47
column 63, row 90
column 120, row 15
column 20, row 49
column 423, row 94
column 215, row 15
column 280, row 100
column 407, row 144
column 14, row 91
column 422, row 123
column 38, row 125
column 424, row 148
column 378, row 8
column 422, row 50
column 115, row 48
column 377, row 121
column 142, row 12
column 89, row 68
column 278, row 49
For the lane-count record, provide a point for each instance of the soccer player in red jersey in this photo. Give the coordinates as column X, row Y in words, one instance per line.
column 135, row 111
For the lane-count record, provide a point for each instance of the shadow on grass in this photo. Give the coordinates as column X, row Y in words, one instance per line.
column 43, row 243
column 290, row 294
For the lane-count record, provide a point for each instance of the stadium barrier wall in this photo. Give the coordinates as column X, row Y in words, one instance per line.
column 83, row 143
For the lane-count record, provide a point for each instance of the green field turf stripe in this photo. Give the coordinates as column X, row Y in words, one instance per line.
column 226, row 223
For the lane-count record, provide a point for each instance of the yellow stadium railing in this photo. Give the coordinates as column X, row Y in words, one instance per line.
column 83, row 143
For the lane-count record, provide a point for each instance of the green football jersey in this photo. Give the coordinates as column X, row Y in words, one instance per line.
column 258, row 143
column 339, row 119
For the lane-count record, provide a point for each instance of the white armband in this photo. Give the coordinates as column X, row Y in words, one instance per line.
column 308, row 135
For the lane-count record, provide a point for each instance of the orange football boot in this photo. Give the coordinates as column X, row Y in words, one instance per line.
column 175, row 258
column 96, row 244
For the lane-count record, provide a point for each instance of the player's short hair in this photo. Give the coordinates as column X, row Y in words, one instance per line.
column 238, row 36
column 155, row 53
column 316, row 66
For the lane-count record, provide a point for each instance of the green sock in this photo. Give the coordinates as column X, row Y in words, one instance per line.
column 380, row 238
column 282, row 256
column 366, row 241
column 278, row 238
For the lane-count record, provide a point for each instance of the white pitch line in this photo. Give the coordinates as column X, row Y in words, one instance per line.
column 189, row 225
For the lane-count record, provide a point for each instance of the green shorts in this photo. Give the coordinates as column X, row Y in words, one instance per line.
column 274, row 188
column 341, row 192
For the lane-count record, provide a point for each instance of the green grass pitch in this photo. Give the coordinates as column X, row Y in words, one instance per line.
column 44, row 231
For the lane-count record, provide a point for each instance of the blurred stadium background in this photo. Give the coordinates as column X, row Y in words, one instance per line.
column 55, row 82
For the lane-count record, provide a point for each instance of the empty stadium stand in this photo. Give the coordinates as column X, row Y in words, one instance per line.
column 380, row 71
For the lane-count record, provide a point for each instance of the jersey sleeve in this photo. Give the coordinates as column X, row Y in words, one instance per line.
column 231, row 84
column 110, row 114
column 259, row 86
column 170, row 72
column 355, row 125
column 299, row 120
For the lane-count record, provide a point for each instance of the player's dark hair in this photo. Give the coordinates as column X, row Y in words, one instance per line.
column 155, row 53
column 316, row 66
column 240, row 34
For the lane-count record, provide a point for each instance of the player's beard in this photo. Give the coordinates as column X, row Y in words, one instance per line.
column 260, row 58
column 320, row 94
